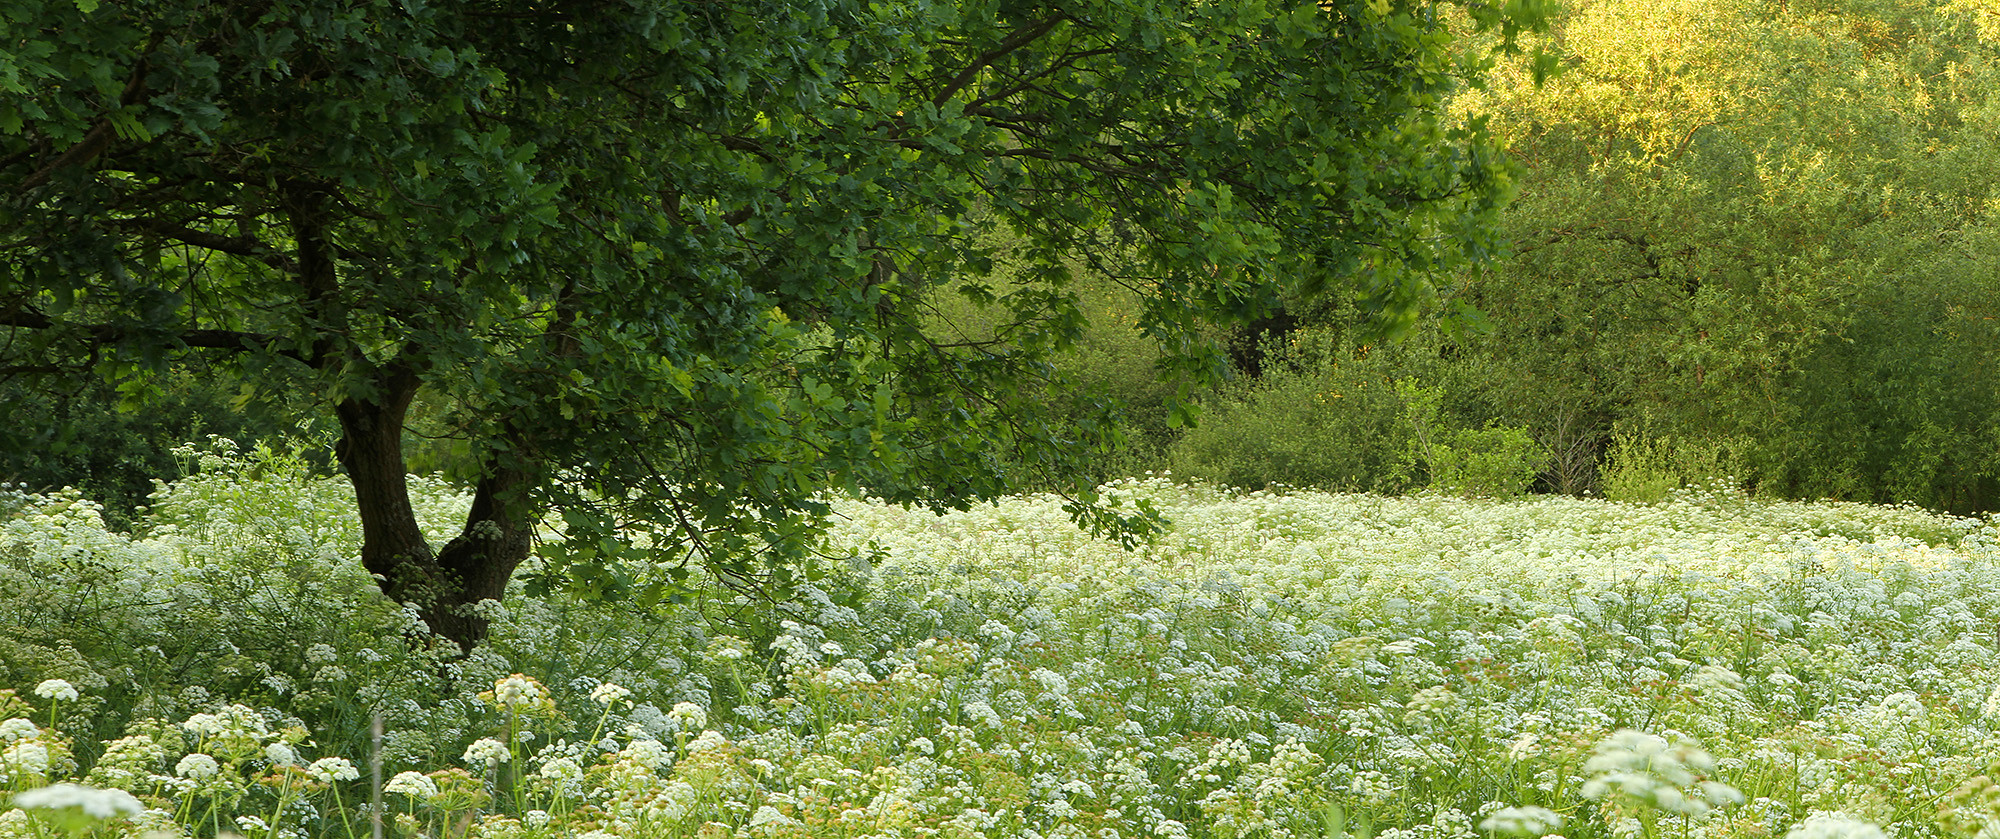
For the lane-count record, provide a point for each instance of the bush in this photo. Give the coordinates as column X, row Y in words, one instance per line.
column 1650, row 469
column 1493, row 460
column 111, row 446
column 1332, row 427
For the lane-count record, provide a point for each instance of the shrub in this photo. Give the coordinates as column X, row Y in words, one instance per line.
column 1493, row 460
column 1331, row 427
column 1650, row 469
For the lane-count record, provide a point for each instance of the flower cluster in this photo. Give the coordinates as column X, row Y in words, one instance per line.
column 1277, row 666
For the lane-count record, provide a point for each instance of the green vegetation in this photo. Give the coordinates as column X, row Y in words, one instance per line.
column 1274, row 665
column 751, row 317
column 1751, row 242
column 663, row 270
column 1731, row 205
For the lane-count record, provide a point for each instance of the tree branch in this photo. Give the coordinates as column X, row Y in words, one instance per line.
column 249, row 246
column 94, row 141
column 111, row 333
column 1028, row 81
column 1022, row 37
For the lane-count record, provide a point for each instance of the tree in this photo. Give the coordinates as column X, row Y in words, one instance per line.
column 667, row 258
column 1764, row 225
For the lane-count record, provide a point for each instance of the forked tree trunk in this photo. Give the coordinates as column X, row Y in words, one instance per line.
column 475, row 565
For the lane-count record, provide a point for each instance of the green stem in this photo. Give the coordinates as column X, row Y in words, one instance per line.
column 278, row 810
column 517, row 758
column 603, row 719
column 345, row 823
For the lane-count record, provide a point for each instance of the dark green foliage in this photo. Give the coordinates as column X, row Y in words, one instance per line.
column 1337, row 428
column 1762, row 231
column 1323, row 414
column 113, row 452
column 1486, row 460
column 1905, row 407
column 661, row 265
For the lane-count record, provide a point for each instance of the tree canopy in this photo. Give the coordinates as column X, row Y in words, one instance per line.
column 1768, row 228
column 667, row 261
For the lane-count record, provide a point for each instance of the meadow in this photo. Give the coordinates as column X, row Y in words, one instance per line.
column 1290, row 665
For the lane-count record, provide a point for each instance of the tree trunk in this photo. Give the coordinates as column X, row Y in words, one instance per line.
column 393, row 547
column 496, row 539
column 443, row 585
column 474, row 566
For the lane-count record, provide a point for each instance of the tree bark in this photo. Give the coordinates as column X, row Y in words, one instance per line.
column 496, row 539
column 393, row 547
column 447, row 585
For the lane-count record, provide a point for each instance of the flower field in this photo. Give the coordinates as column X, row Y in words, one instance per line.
column 1277, row 665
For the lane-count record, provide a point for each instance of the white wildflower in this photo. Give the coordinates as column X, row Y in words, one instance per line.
column 768, row 814
column 727, row 648
column 205, row 725
column 197, row 766
column 518, row 691
column 485, row 753
column 708, row 740
column 688, row 716
column 646, row 752
column 28, row 757
column 95, row 803
column 561, row 769
column 608, row 694
column 983, row 713
column 1522, row 821
column 18, row 729
column 332, row 770
column 1834, row 826
column 1051, row 681
column 1645, row 769
column 413, row 784
column 57, row 689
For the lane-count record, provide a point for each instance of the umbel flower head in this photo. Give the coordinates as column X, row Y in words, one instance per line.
column 1644, row 769
column 414, row 784
column 332, row 770
column 18, row 729
column 689, row 716
column 56, row 689
column 197, row 766
column 608, row 694
column 519, row 694
column 1834, row 826
column 485, row 753
column 90, row 801
column 1522, row 821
